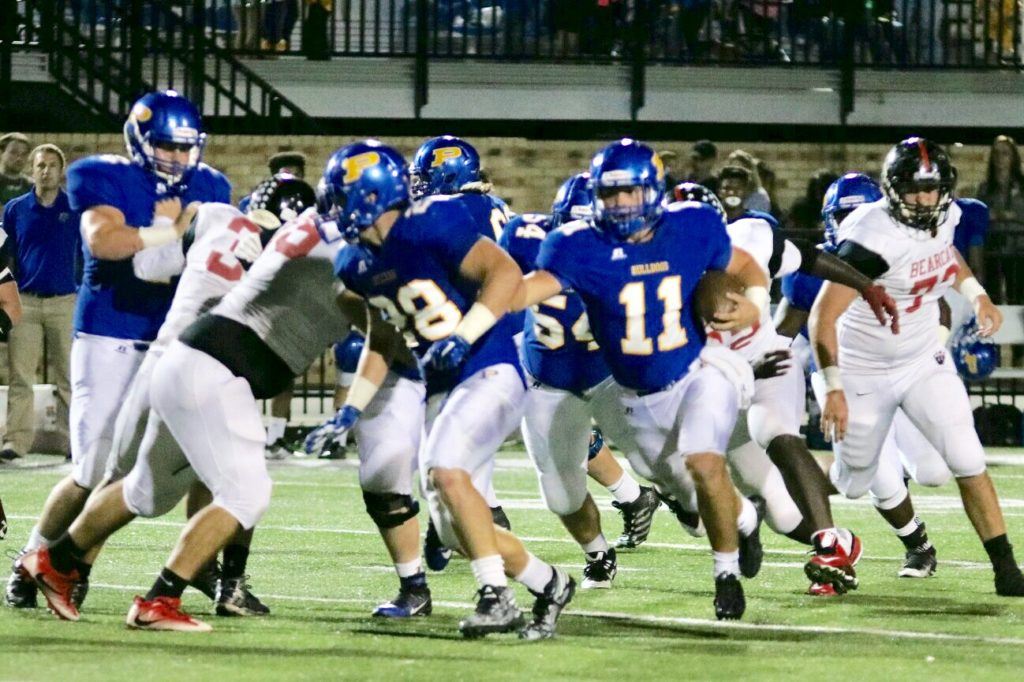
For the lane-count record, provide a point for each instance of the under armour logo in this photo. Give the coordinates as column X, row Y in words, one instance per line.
column 362, row 267
column 618, row 253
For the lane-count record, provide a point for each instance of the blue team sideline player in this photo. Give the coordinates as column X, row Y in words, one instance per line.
column 129, row 206
column 568, row 378
column 635, row 266
column 428, row 269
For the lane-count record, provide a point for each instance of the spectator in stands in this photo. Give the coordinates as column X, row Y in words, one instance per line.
column 315, row 42
column 757, row 199
column 668, row 158
column 46, row 247
column 805, row 213
column 609, row 18
column 1003, row 191
column 703, row 157
column 689, row 17
column 13, row 155
column 279, row 17
column 293, row 163
column 247, row 23
column 767, row 175
column 568, row 20
column 1000, row 18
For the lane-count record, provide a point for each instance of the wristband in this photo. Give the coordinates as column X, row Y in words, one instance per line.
column 833, row 380
column 971, row 289
column 943, row 334
column 161, row 232
column 758, row 296
column 360, row 393
column 475, row 323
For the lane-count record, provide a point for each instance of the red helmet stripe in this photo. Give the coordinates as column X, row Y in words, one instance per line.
column 926, row 164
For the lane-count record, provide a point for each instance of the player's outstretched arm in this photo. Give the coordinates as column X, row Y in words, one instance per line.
column 108, row 236
column 829, row 267
column 538, row 286
column 990, row 319
column 755, row 298
column 833, row 300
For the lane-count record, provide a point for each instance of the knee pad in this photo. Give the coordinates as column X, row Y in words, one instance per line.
column 564, row 495
column 933, row 475
column 889, row 499
column 596, row 443
column 390, row 510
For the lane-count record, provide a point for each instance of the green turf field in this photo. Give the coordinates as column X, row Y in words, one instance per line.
column 318, row 563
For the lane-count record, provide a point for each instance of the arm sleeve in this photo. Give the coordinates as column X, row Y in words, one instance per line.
column 863, row 260
column 159, row 264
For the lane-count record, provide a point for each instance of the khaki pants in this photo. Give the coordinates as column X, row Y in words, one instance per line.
column 41, row 318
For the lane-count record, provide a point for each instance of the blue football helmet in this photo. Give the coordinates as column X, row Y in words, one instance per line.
column 623, row 164
column 575, row 200
column 692, row 191
column 164, row 118
column 975, row 357
column 442, row 165
column 844, row 195
column 362, row 181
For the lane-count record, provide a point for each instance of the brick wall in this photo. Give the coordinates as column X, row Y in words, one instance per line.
column 526, row 172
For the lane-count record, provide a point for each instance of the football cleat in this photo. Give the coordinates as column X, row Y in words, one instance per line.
column 1009, row 581
column 600, row 570
column 162, row 613
column 435, row 553
column 500, row 518
column 496, row 611
column 277, row 450
column 920, row 562
column 637, row 517
column 822, row 590
column 832, row 564
column 207, row 580
column 20, row 592
column 56, row 587
column 235, row 599
column 79, row 592
column 690, row 521
column 412, row 601
column 751, row 550
column 549, row 606
column 729, row 600
column 333, row 451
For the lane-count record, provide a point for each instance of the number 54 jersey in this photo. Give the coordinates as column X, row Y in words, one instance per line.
column 915, row 267
column 638, row 295
column 414, row 279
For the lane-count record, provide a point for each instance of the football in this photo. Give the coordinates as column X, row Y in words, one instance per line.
column 710, row 296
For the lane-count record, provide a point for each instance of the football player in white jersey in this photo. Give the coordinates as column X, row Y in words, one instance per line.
column 793, row 487
column 905, row 242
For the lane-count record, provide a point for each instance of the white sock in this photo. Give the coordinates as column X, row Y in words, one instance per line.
column 626, row 489
column 727, row 562
column 598, row 544
column 35, row 539
column 489, row 570
column 409, row 568
column 536, row 576
column 844, row 538
column 747, row 520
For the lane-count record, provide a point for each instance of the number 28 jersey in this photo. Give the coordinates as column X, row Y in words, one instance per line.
column 414, row 279
column 638, row 295
column 920, row 268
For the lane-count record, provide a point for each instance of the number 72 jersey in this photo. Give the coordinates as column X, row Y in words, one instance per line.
column 920, row 268
column 638, row 295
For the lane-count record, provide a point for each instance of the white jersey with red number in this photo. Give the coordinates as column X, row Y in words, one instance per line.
column 208, row 271
column 288, row 296
column 922, row 267
column 756, row 237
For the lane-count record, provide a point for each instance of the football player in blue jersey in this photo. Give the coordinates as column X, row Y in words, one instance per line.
column 635, row 266
column 450, row 166
column 128, row 205
column 433, row 276
column 567, row 377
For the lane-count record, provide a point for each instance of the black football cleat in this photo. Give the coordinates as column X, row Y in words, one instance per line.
column 496, row 612
column 729, row 600
column 500, row 518
column 919, row 562
column 751, row 550
column 600, row 570
column 549, row 606
column 1009, row 581
column 235, row 599
column 79, row 592
column 411, row 601
column 20, row 593
column 206, row 580
column 637, row 518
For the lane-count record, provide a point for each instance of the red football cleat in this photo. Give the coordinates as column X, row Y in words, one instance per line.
column 833, row 565
column 163, row 613
column 822, row 590
column 57, row 587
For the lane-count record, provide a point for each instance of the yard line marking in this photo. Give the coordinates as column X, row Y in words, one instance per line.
column 671, row 620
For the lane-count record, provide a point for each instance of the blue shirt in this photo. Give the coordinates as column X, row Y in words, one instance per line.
column 638, row 296
column 488, row 211
column 112, row 301
column 973, row 225
column 46, row 244
column 558, row 349
column 414, row 279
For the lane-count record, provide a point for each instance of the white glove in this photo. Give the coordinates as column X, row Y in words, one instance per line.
column 248, row 247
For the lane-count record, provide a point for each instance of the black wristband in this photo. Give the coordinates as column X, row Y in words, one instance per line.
column 5, row 324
